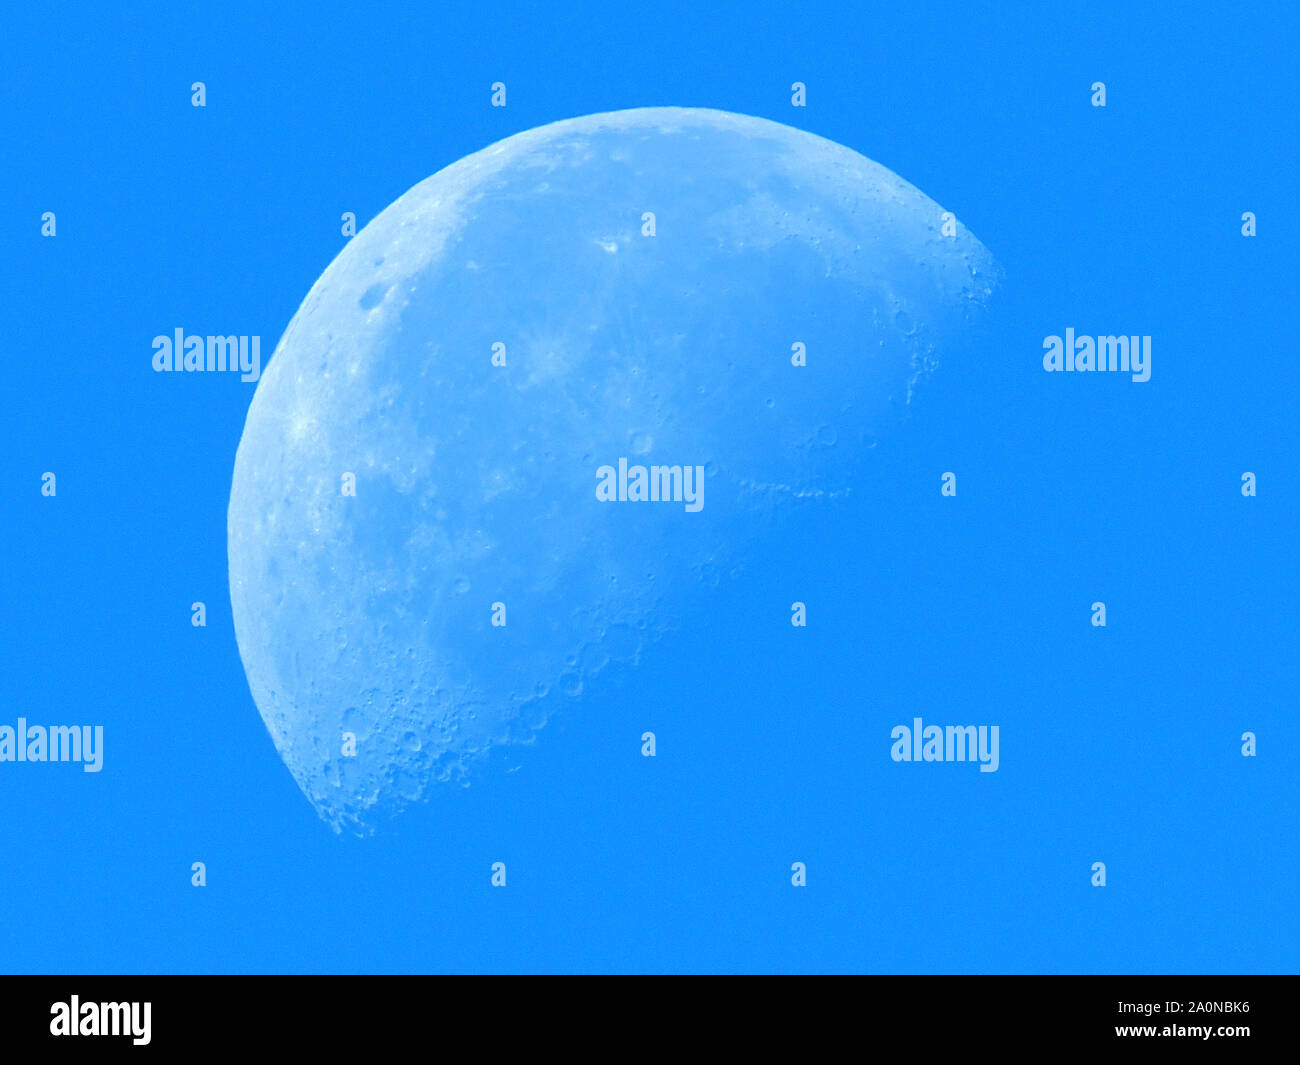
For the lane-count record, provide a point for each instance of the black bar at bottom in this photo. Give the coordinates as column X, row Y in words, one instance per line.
column 615, row 1017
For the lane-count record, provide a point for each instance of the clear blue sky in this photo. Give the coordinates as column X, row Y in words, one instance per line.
column 1118, row 745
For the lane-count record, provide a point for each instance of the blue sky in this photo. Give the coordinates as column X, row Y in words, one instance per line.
column 1119, row 745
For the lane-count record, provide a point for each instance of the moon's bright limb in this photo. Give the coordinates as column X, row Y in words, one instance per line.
column 367, row 618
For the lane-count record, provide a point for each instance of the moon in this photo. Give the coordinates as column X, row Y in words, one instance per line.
column 421, row 567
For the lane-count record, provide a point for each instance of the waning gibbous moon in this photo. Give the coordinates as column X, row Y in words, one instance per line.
column 673, row 287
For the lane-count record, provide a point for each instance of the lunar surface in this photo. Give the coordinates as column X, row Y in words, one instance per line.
column 422, row 457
